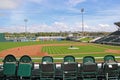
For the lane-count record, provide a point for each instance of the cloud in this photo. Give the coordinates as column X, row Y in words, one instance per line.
column 12, row 29
column 59, row 26
column 94, row 28
column 104, row 25
column 39, row 28
column 9, row 4
column 35, row 1
column 74, row 2
column 55, row 27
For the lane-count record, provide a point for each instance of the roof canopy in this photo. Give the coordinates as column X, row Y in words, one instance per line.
column 117, row 23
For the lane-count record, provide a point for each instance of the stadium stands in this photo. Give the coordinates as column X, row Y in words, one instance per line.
column 112, row 39
column 69, row 69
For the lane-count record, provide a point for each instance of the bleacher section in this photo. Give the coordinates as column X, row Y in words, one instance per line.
column 69, row 69
column 117, row 40
column 113, row 39
column 116, row 33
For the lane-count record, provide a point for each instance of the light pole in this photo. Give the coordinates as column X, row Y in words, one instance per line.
column 82, row 10
column 25, row 20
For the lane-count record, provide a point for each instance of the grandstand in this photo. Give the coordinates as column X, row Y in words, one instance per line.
column 113, row 38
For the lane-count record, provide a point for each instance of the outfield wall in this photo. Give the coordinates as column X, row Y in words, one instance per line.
column 2, row 37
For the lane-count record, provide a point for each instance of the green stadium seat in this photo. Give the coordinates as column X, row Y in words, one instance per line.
column 69, row 58
column 89, row 68
column 9, row 66
column 70, row 68
column 88, row 59
column 108, row 58
column 110, row 67
column 25, row 67
column 47, row 59
column 9, row 58
column 47, row 68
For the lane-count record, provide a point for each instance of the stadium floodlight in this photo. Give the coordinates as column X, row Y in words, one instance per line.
column 25, row 20
column 82, row 11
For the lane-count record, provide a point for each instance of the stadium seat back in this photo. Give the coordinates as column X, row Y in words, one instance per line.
column 110, row 67
column 47, row 59
column 25, row 59
column 88, row 59
column 69, row 58
column 9, row 58
column 89, row 68
column 24, row 70
column 25, row 67
column 9, row 69
column 47, row 68
column 70, row 68
column 109, row 58
column 9, row 66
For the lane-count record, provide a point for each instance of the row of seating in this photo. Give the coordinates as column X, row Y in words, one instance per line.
column 13, row 68
column 69, row 69
column 111, row 39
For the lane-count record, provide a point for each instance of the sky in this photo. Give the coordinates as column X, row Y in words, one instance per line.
column 58, row 15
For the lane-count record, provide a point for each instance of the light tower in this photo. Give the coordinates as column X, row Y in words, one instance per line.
column 82, row 11
column 25, row 20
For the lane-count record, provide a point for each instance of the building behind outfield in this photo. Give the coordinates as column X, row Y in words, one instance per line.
column 47, row 38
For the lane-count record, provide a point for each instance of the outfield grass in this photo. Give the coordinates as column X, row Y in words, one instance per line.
column 89, row 49
column 108, row 46
column 88, row 54
column 95, row 50
column 8, row 45
column 65, row 50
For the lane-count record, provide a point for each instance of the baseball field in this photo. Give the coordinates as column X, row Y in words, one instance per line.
column 58, row 49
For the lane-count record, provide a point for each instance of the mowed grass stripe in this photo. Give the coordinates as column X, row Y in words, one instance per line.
column 8, row 45
column 102, row 54
column 65, row 50
column 107, row 46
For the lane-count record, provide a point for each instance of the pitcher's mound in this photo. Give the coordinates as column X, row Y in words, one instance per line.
column 71, row 47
